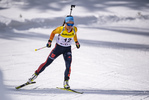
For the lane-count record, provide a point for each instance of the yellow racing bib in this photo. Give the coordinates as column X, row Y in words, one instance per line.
column 66, row 34
column 65, row 38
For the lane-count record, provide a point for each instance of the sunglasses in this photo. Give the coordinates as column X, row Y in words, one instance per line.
column 68, row 24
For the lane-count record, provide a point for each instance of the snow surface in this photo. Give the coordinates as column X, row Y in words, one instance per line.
column 112, row 63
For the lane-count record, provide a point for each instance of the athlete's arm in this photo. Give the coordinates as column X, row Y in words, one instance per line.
column 55, row 31
column 75, row 37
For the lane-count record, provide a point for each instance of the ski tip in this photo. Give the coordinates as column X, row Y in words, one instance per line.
column 17, row 88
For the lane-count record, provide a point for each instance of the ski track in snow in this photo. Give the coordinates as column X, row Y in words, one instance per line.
column 112, row 63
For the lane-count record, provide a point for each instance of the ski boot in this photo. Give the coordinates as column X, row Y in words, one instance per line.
column 66, row 85
column 34, row 76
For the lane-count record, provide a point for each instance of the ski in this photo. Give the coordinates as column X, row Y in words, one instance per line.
column 25, row 84
column 70, row 90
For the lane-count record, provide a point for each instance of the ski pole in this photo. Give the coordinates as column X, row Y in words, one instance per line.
column 73, row 48
column 40, row 48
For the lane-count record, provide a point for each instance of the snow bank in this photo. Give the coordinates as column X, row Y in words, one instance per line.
column 91, row 20
column 2, row 88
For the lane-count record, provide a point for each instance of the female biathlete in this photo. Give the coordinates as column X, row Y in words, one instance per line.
column 66, row 33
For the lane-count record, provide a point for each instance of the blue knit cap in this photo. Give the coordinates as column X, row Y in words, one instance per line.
column 69, row 18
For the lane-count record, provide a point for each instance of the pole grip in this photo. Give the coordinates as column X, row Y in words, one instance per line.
column 72, row 6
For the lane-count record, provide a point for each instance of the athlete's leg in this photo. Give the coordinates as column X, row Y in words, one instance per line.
column 53, row 55
column 68, row 58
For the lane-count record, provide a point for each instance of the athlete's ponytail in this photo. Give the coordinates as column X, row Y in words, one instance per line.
column 63, row 23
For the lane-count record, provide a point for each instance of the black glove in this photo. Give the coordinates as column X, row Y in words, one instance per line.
column 49, row 43
column 77, row 45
